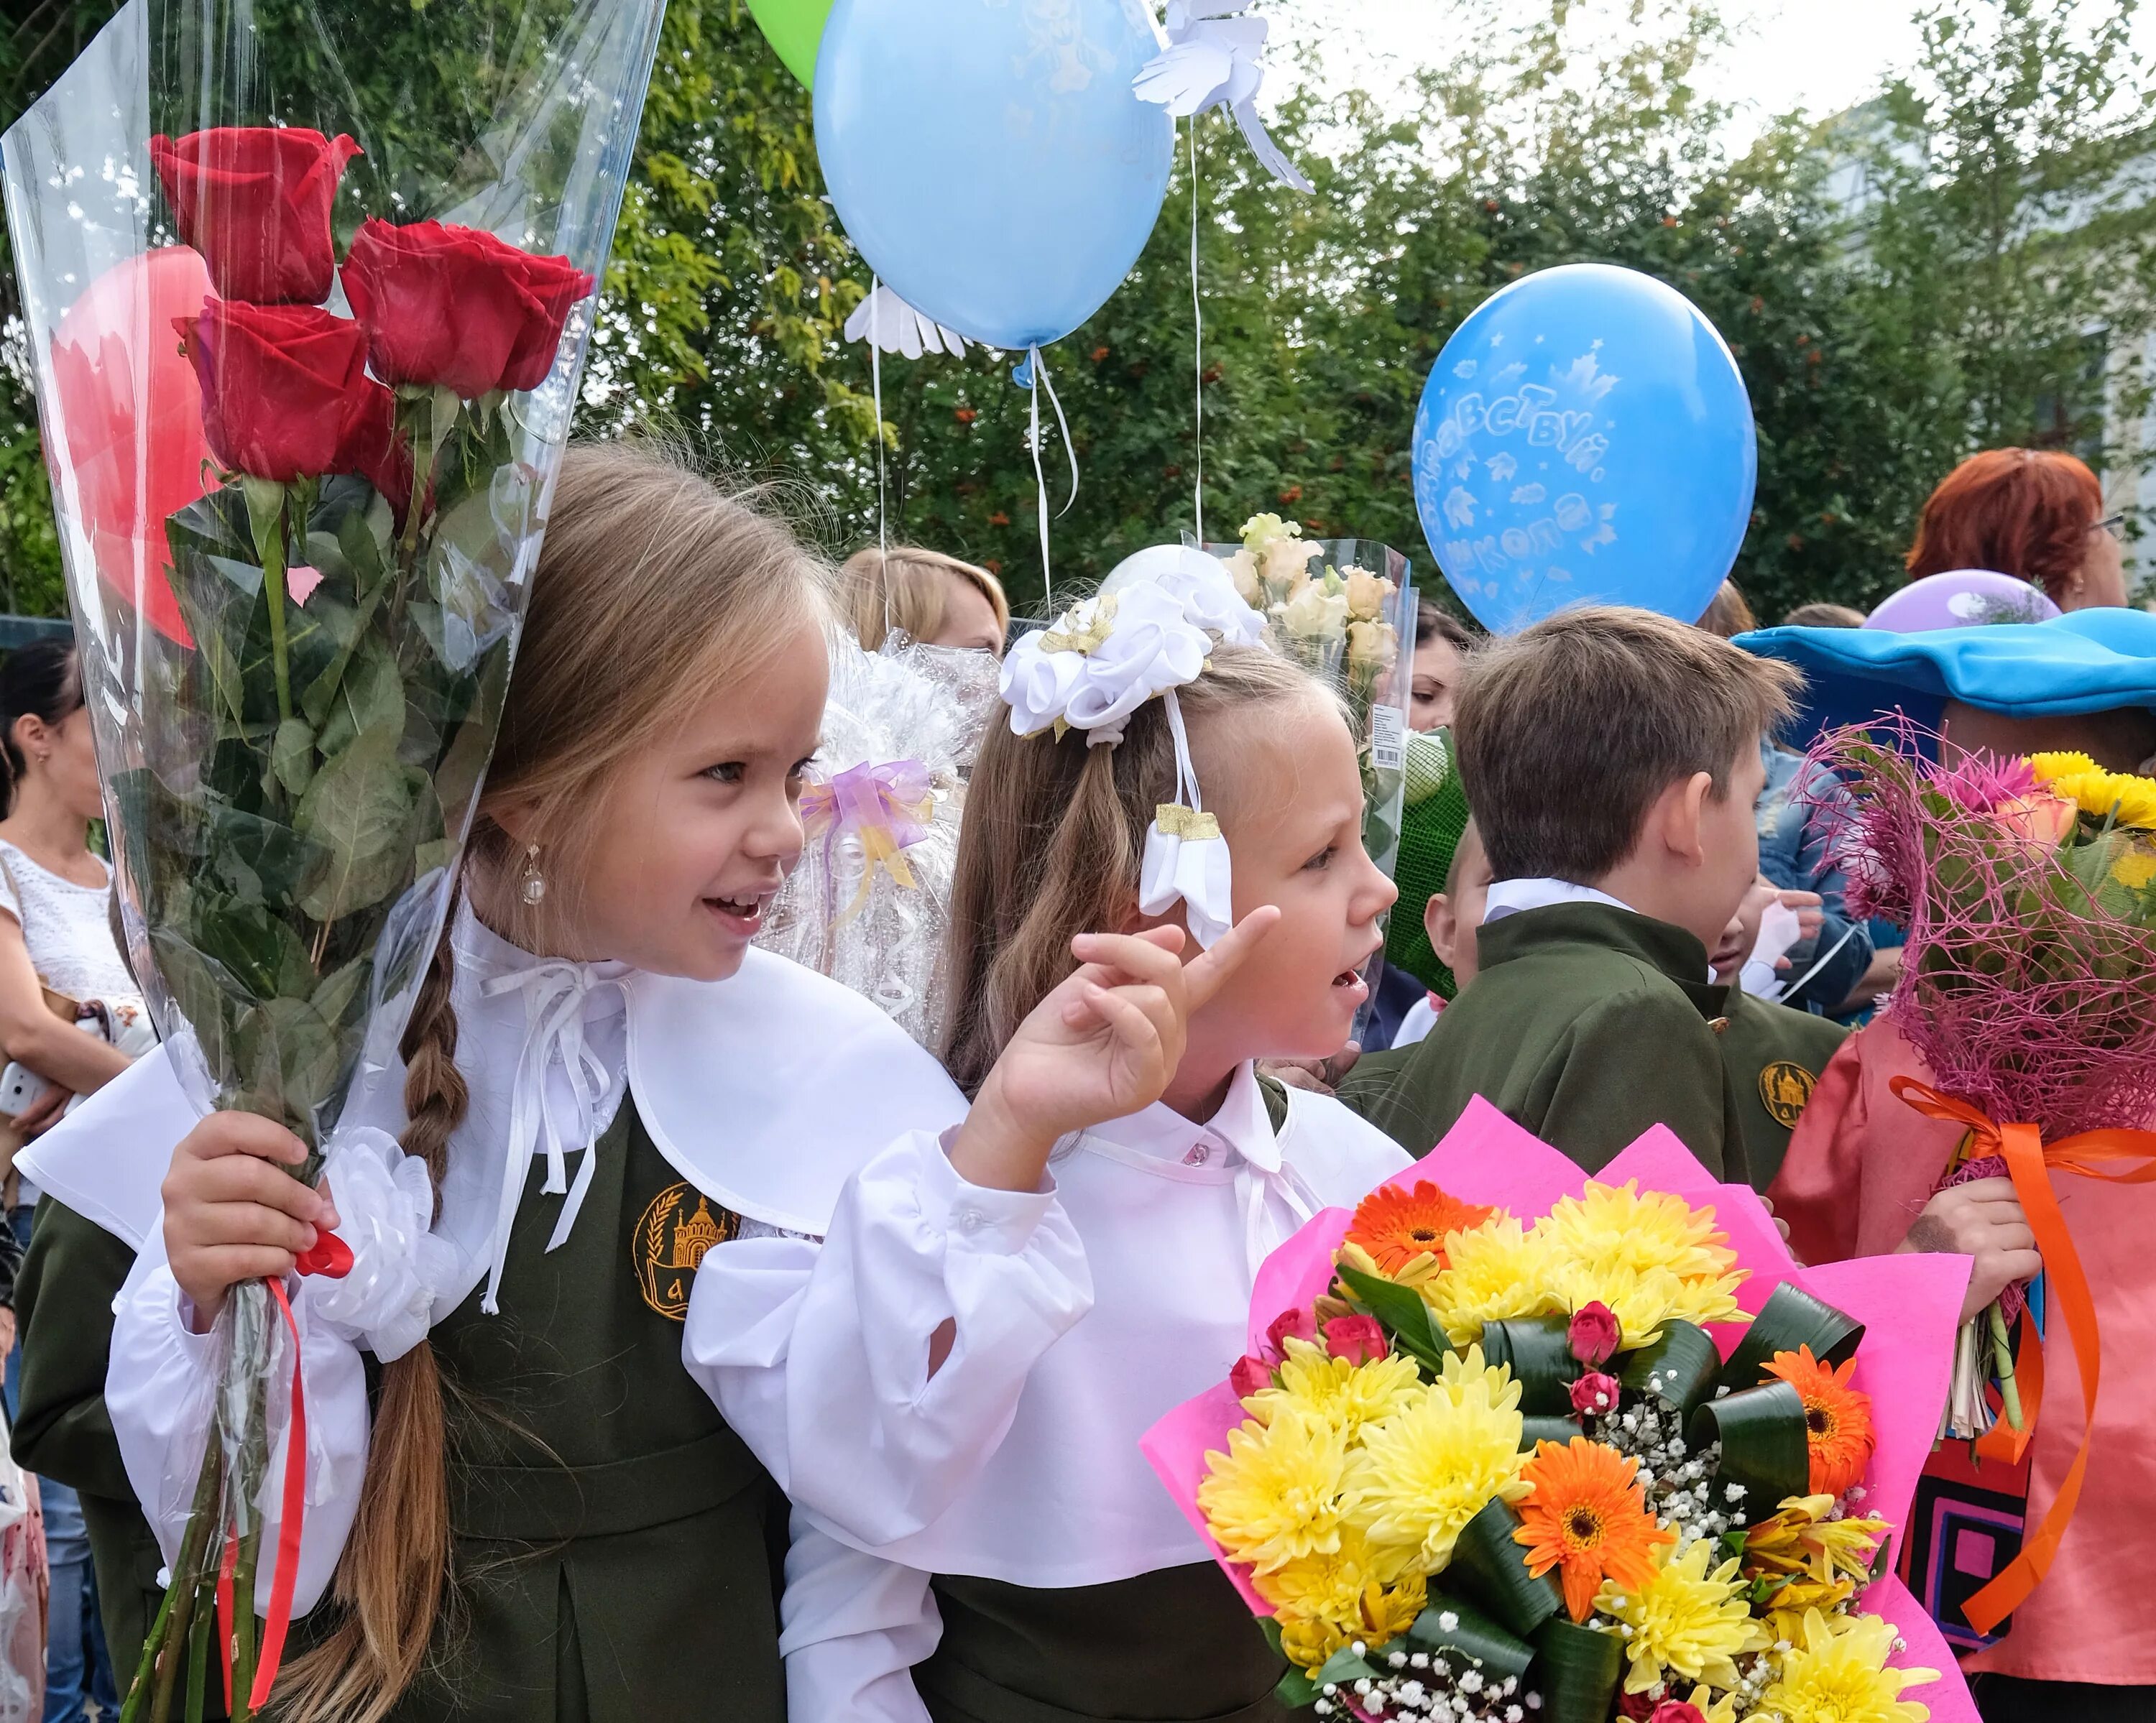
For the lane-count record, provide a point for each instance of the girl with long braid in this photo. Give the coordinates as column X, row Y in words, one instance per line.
column 519, row 1503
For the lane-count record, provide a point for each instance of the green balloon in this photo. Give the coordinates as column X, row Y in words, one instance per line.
column 794, row 28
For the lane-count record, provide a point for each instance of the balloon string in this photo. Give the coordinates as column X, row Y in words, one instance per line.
column 1070, row 449
column 875, row 386
column 1040, row 478
column 1198, row 326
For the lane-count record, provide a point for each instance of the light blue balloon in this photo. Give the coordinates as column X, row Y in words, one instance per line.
column 1584, row 437
column 989, row 157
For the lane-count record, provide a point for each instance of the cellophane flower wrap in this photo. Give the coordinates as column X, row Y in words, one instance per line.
column 306, row 291
column 2027, row 890
column 1512, row 1442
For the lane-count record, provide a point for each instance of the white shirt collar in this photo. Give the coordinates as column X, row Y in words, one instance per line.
column 1508, row 897
column 1240, row 1130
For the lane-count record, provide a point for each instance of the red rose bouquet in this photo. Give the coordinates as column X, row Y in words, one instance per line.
column 1512, row 1443
column 300, row 444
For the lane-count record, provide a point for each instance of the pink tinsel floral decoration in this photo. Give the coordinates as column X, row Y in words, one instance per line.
column 2022, row 995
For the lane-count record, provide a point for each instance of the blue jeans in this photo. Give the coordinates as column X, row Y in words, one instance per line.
column 77, row 1673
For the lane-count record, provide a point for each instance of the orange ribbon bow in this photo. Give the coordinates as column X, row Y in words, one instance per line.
column 2029, row 1162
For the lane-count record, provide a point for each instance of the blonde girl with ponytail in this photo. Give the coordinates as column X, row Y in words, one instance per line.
column 520, row 1505
column 957, row 1379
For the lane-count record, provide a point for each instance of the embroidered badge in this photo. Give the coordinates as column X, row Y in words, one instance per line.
column 1784, row 1087
column 675, row 1231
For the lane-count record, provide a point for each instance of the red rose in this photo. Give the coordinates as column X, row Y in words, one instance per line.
column 1675, row 1710
column 373, row 448
column 1251, row 1375
column 254, row 201
column 456, row 307
column 1594, row 1333
column 1358, row 1339
column 285, row 392
column 1635, row 1707
column 1298, row 1324
column 1594, row 1394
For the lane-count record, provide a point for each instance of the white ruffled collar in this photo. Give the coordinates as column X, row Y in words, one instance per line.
column 765, row 1091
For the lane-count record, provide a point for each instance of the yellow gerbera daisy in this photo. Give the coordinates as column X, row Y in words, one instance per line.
column 1323, row 1602
column 1317, row 1385
column 2050, row 768
column 2098, row 792
column 1685, row 1622
column 1494, row 1271
column 1839, row 1673
column 1425, row 1472
column 1277, row 1493
column 2134, row 869
column 1617, row 1226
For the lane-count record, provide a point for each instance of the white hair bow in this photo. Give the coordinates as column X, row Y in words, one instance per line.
column 1149, row 631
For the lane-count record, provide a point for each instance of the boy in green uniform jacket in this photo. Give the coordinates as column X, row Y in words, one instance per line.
column 1611, row 758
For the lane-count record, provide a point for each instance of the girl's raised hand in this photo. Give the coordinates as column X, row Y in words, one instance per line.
column 233, row 1212
column 1103, row 1044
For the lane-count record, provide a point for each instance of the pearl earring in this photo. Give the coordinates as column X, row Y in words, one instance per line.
column 535, row 882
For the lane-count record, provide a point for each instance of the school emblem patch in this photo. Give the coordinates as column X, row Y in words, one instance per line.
column 679, row 1227
column 1784, row 1087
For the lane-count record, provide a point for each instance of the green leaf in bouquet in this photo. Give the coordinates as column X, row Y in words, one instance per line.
column 369, row 696
column 1679, row 1369
column 1539, row 1349
column 292, row 755
column 340, row 1001
column 1468, row 1639
column 262, row 957
column 1405, row 1316
column 1791, row 1318
column 291, row 1059
column 1577, row 1670
column 258, row 859
column 1765, row 1446
column 1537, row 1429
column 360, row 809
column 1342, row 1668
column 1490, row 1567
column 471, row 725
column 1296, row 1688
column 192, row 982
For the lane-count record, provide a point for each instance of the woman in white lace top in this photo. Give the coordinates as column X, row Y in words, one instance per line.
column 55, row 891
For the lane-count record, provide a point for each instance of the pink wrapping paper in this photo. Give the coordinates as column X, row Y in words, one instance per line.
column 1910, row 1306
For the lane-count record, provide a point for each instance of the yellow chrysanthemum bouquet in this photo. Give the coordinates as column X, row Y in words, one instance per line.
column 1510, row 1441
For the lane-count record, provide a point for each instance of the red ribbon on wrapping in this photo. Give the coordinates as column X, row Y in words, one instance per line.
column 330, row 1258
column 2030, row 1163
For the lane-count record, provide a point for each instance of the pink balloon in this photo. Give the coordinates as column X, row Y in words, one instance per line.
column 1961, row 599
column 131, row 416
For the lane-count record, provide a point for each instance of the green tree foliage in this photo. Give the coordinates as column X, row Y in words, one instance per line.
column 1967, row 261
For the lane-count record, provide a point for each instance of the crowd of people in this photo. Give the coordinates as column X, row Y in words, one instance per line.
column 725, row 1344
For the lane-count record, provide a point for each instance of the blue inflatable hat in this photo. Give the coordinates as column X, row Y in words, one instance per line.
column 2085, row 661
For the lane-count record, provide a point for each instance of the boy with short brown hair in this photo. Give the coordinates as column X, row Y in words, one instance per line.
column 1611, row 757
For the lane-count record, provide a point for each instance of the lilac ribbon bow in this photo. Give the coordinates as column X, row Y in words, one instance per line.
column 887, row 806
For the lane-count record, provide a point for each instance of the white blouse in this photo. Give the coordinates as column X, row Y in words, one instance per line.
column 549, row 1049
column 67, row 927
column 1083, row 1313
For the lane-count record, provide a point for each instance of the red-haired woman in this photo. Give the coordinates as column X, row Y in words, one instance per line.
column 2028, row 512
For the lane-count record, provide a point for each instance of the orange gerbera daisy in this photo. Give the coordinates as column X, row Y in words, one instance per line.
column 1588, row 1515
column 1837, row 1419
column 1396, row 1226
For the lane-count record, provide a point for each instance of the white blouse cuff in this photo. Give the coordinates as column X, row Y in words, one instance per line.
column 385, row 1204
column 973, row 1218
